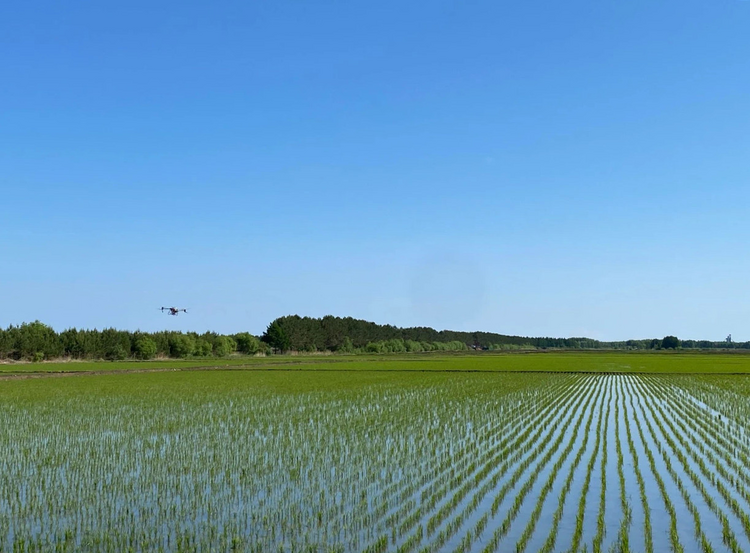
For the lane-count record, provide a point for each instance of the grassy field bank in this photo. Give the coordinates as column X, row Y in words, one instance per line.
column 586, row 362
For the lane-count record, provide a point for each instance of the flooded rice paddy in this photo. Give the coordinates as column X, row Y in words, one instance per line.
column 409, row 463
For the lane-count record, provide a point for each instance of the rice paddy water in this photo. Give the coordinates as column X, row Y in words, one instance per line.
column 360, row 461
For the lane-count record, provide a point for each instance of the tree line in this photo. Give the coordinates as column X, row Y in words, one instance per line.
column 37, row 341
column 331, row 333
column 346, row 334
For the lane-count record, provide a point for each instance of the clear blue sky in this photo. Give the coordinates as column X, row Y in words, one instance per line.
column 527, row 167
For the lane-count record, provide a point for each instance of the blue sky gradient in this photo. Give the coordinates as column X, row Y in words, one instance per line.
column 534, row 168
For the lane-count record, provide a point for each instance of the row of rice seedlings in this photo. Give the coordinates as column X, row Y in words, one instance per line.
column 455, row 524
column 728, row 395
column 728, row 536
column 428, row 503
column 623, row 538
column 698, row 529
column 727, row 430
column 487, row 463
column 706, row 438
column 474, row 533
column 673, row 535
column 406, row 519
column 647, row 528
column 523, row 445
column 411, row 513
column 404, row 493
column 599, row 536
column 263, row 494
column 714, row 443
column 502, row 529
column 679, row 452
column 361, row 504
column 518, row 448
column 357, row 513
column 526, row 462
column 503, row 445
column 534, row 518
column 251, row 487
column 549, row 543
column 401, row 491
column 580, row 514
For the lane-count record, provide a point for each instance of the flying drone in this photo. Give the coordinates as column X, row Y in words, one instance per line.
column 173, row 310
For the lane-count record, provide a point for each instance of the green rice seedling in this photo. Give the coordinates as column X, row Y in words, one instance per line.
column 673, row 535
column 623, row 542
column 504, row 526
column 367, row 460
column 647, row 529
column 549, row 543
column 599, row 537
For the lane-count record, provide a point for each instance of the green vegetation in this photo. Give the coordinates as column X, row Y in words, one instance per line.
column 334, row 333
column 375, row 453
column 37, row 341
column 670, row 342
column 554, row 362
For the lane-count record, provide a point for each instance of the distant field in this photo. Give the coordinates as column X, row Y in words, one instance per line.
column 166, row 364
column 597, row 362
column 377, row 460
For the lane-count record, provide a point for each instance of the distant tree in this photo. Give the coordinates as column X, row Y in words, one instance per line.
column 328, row 333
column 276, row 337
column 116, row 352
column 374, row 347
column 203, row 347
column 247, row 343
column 413, row 346
column 346, row 345
column 654, row 344
column 37, row 338
column 224, row 345
column 670, row 342
column 144, row 347
column 181, row 345
column 6, row 343
column 396, row 345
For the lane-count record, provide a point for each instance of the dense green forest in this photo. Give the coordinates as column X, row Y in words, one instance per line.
column 346, row 333
column 331, row 333
column 37, row 341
